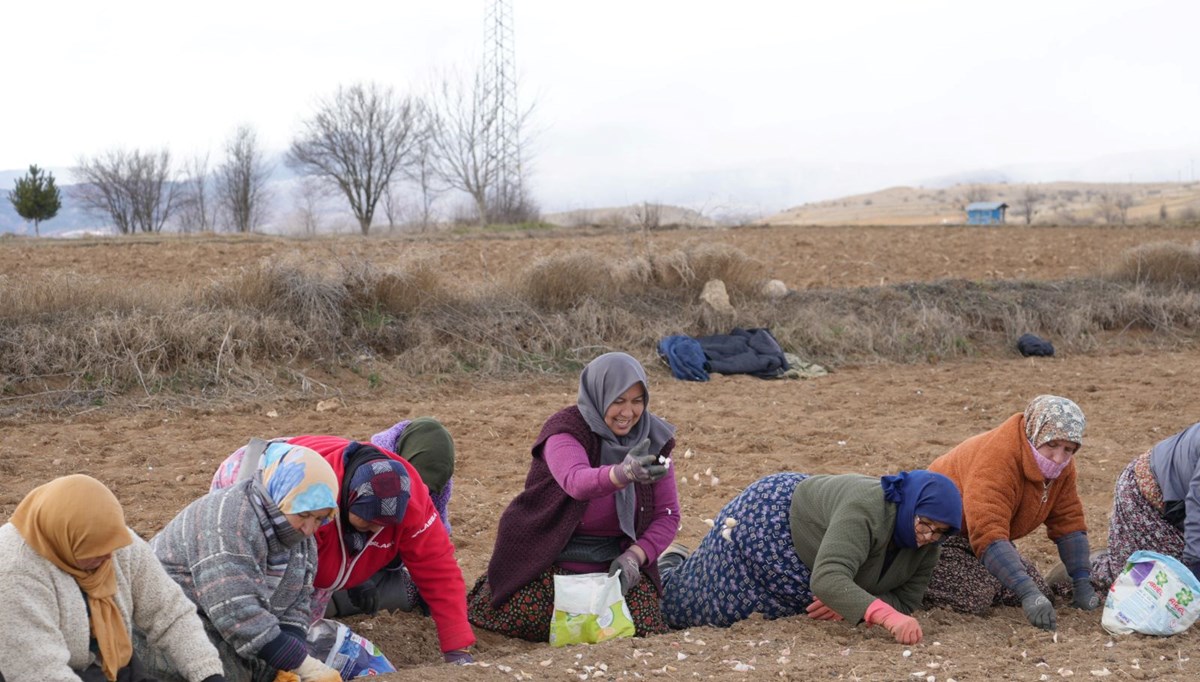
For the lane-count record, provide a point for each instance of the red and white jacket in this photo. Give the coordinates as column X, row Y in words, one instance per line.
column 420, row 540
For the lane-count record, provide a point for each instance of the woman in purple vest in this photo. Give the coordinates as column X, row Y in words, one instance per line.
column 599, row 497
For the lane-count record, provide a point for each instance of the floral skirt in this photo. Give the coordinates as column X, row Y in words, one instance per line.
column 751, row 567
column 1136, row 523
column 962, row 583
column 527, row 613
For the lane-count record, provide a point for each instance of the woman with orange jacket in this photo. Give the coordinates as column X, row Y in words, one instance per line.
column 1014, row 479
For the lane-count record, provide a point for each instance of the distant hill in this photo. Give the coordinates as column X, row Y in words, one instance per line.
column 1054, row 203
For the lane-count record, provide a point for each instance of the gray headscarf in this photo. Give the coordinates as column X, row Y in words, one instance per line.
column 601, row 383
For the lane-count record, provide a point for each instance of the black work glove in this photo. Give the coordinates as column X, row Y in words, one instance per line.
column 639, row 466
column 1085, row 596
column 630, row 567
column 1039, row 611
column 365, row 597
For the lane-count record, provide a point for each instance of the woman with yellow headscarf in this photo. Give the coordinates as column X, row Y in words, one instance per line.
column 75, row 582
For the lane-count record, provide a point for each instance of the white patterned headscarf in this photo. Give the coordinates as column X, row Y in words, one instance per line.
column 1049, row 417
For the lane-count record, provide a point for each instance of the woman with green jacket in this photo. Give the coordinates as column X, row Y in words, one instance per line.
column 833, row 547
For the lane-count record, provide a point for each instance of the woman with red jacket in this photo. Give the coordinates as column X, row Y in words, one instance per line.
column 385, row 517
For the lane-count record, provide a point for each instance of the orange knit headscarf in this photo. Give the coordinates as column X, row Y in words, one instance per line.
column 71, row 519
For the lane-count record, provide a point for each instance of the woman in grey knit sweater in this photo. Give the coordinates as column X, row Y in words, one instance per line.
column 246, row 557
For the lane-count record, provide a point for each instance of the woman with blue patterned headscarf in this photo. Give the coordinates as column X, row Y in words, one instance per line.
column 246, row 556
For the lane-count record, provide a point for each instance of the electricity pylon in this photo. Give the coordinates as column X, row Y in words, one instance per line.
column 500, row 79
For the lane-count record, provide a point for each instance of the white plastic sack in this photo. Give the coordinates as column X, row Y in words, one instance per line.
column 1155, row 594
column 347, row 652
column 589, row 608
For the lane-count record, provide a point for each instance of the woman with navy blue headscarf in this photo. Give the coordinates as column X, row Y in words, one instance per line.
column 833, row 547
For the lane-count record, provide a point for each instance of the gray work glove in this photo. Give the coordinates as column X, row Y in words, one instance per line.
column 631, row 570
column 1085, row 596
column 639, row 466
column 1039, row 611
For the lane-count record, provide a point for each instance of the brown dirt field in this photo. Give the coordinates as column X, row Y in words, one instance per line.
column 803, row 257
column 869, row 419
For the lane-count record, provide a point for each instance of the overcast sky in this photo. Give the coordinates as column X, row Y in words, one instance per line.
column 756, row 104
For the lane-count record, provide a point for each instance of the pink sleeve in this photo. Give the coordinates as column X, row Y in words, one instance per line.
column 569, row 465
column 663, row 528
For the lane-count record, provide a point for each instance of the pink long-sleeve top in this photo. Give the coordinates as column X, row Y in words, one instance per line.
column 568, row 463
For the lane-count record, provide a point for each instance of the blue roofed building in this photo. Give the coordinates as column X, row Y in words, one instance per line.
column 986, row 213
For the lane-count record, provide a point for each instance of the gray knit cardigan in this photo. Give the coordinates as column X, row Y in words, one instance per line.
column 247, row 570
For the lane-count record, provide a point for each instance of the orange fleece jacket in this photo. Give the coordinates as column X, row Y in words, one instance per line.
column 1002, row 488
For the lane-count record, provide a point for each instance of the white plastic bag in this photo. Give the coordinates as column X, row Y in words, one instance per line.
column 347, row 652
column 1155, row 594
column 589, row 608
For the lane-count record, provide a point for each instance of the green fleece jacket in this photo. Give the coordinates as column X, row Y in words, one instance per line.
column 842, row 530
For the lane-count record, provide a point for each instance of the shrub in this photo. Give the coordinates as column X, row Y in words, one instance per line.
column 558, row 283
column 689, row 269
column 1160, row 264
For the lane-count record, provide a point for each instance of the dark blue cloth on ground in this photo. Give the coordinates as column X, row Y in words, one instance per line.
column 745, row 351
column 1029, row 344
column 684, row 355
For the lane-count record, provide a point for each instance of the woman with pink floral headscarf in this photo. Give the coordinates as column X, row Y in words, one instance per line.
column 1015, row 478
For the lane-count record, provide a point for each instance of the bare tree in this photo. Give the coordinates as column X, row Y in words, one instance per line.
column 1027, row 203
column 309, row 194
column 1124, row 203
column 358, row 140
column 391, row 204
column 242, row 181
column 461, row 119
column 197, row 211
column 422, row 172
column 975, row 193
column 1114, row 206
column 647, row 216
column 134, row 189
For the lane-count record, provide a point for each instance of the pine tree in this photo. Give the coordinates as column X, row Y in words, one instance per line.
column 36, row 197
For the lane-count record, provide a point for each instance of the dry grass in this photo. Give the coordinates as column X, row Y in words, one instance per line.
column 688, row 270
column 1160, row 264
column 270, row 323
column 559, row 283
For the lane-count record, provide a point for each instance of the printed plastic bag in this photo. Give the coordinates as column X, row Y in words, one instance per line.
column 1155, row 595
column 589, row 608
column 352, row 655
